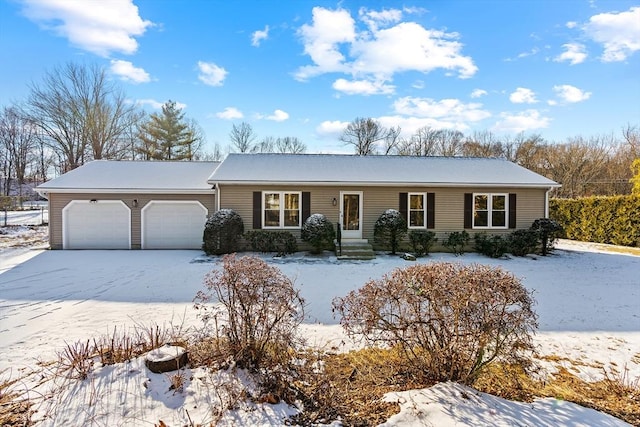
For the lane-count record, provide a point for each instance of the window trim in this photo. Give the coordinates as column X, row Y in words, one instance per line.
column 281, row 195
column 424, row 211
column 490, row 225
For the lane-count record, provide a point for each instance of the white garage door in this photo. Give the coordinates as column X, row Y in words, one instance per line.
column 173, row 225
column 102, row 224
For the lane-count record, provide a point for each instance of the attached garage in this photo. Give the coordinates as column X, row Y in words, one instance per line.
column 89, row 224
column 173, row 224
column 130, row 205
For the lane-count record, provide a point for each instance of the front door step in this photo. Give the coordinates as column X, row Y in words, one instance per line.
column 355, row 250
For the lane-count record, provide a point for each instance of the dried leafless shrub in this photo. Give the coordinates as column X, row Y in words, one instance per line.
column 349, row 386
column 177, row 380
column 76, row 360
column 450, row 320
column 15, row 410
column 258, row 314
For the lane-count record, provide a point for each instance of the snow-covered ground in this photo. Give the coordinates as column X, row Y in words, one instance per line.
column 36, row 216
column 588, row 303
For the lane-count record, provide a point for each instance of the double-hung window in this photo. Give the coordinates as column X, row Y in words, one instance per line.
column 417, row 210
column 281, row 209
column 490, row 210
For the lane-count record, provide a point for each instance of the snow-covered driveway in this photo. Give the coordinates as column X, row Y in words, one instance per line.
column 60, row 296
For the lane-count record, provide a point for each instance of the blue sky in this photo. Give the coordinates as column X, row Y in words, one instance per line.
column 307, row 68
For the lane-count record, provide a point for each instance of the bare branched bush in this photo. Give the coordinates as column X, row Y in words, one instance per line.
column 259, row 310
column 76, row 360
column 450, row 320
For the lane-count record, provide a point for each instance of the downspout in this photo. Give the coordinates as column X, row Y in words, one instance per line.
column 217, row 187
column 546, row 202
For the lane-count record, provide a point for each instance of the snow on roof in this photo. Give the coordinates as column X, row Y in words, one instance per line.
column 122, row 176
column 374, row 170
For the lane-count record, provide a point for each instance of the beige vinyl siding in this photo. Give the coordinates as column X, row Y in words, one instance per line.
column 57, row 202
column 449, row 212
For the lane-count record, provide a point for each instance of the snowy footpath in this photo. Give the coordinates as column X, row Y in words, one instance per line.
column 588, row 304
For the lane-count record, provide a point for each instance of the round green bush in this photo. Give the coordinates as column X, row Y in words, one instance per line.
column 222, row 232
column 318, row 231
column 389, row 229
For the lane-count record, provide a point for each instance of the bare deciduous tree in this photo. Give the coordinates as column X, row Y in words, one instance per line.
column 242, row 137
column 81, row 112
column 290, row 144
column 364, row 134
column 17, row 141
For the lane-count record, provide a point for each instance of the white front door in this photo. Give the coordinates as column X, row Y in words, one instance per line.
column 351, row 214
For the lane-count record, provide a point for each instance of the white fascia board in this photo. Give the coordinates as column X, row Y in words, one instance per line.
column 124, row 191
column 385, row 184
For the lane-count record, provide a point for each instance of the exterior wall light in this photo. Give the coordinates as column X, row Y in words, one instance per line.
column 334, row 202
column 135, row 203
column 93, row 201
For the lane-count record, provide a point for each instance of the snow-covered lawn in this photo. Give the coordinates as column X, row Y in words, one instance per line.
column 588, row 303
column 25, row 217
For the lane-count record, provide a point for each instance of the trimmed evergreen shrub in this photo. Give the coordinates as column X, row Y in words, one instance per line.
column 281, row 242
column 523, row 242
column 318, row 231
column 548, row 231
column 421, row 241
column 493, row 246
column 222, row 232
column 613, row 220
column 389, row 229
column 457, row 241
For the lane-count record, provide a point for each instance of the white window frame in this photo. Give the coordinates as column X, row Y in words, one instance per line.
column 489, row 225
column 424, row 211
column 281, row 195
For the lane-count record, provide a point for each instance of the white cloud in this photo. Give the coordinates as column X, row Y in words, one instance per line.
column 452, row 110
column 383, row 18
column 259, row 35
column 128, row 72
column 477, row 93
column 230, row 113
column 574, row 53
column 533, row 51
column 278, row 116
column 362, row 87
column 331, row 129
column 522, row 95
column 321, row 40
column 619, row 33
column 571, row 24
column 376, row 53
column 571, row 94
column 211, row 74
column 100, row 27
column 156, row 105
column 521, row 122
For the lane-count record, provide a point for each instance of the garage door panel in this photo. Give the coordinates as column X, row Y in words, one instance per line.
column 96, row 225
column 173, row 225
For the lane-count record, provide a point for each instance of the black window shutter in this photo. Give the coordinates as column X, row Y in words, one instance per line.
column 468, row 210
column 402, row 206
column 431, row 210
column 306, row 205
column 257, row 210
column 512, row 210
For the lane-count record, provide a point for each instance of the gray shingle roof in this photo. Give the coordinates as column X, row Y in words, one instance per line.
column 129, row 176
column 315, row 169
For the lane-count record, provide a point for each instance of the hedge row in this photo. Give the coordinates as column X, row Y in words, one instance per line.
column 614, row 220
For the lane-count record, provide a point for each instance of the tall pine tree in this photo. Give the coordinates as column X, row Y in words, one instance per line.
column 168, row 136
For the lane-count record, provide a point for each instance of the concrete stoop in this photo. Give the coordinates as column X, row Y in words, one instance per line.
column 355, row 250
